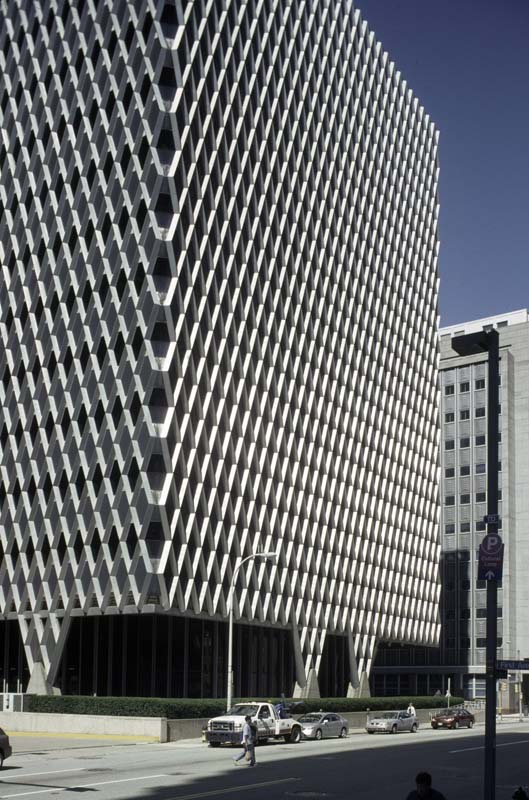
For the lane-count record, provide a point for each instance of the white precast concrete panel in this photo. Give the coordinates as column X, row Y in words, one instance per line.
column 218, row 320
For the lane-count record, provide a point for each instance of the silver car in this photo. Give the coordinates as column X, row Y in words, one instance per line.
column 392, row 722
column 319, row 725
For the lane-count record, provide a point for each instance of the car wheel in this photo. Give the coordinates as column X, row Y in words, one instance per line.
column 371, row 732
column 343, row 733
column 318, row 735
column 1, row 759
column 295, row 735
column 456, row 725
column 414, row 728
column 471, row 723
column 394, row 729
column 214, row 744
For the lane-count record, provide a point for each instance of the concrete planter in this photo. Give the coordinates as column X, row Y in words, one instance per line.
column 151, row 727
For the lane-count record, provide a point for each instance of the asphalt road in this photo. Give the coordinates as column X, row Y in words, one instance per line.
column 360, row 767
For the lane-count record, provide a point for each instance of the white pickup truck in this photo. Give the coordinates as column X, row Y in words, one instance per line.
column 228, row 727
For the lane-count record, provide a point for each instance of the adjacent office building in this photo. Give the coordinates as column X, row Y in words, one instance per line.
column 464, row 504
column 218, row 245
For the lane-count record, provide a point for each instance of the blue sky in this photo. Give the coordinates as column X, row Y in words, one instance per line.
column 468, row 63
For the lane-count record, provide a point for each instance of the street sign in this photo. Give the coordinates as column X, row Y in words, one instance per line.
column 491, row 519
column 490, row 562
column 513, row 666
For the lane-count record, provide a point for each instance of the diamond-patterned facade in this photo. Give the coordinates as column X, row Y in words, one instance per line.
column 218, row 244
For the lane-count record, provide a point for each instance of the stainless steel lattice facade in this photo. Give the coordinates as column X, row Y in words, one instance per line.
column 218, row 243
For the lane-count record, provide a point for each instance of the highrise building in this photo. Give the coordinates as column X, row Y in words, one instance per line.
column 218, row 244
column 464, row 505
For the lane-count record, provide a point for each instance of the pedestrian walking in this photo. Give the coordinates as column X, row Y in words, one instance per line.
column 423, row 790
column 248, row 743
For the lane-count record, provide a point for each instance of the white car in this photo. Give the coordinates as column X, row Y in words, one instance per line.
column 392, row 722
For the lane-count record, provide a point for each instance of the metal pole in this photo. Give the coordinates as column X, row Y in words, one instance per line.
column 492, row 585
column 230, row 647
column 269, row 557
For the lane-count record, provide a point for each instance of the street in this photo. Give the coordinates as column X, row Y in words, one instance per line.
column 360, row 767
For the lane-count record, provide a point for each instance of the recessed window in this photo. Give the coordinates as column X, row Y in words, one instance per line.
column 449, row 444
column 450, row 528
column 481, row 613
column 464, row 469
column 480, row 525
column 450, row 500
column 499, row 437
column 480, row 383
column 464, row 386
column 465, row 585
column 480, row 411
column 481, row 468
column 449, row 416
column 450, row 472
column 499, row 408
column 500, row 495
column 481, row 497
column 480, row 439
column 499, row 466
column 464, row 414
column 464, row 441
column 464, row 527
column 464, row 499
column 449, row 389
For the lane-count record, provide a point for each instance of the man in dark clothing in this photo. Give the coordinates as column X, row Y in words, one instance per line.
column 424, row 789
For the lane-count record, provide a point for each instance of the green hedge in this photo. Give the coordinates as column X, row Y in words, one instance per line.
column 194, row 709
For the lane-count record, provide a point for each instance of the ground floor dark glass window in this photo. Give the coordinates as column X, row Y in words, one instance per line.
column 14, row 672
column 154, row 655
column 334, row 675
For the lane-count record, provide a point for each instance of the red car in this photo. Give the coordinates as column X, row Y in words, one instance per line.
column 453, row 718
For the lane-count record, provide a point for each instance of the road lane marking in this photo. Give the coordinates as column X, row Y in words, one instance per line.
column 233, row 789
column 32, row 774
column 76, row 787
column 482, row 747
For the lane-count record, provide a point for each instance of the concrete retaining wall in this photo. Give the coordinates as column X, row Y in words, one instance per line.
column 151, row 727
column 159, row 729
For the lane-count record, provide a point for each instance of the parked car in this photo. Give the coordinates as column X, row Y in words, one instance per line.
column 322, row 726
column 453, row 718
column 5, row 747
column 392, row 722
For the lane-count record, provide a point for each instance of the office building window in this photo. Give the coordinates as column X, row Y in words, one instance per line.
column 449, row 444
column 464, row 499
column 480, row 526
column 449, row 416
column 500, row 495
column 481, row 642
column 450, row 472
column 464, row 469
column 464, row 441
column 449, row 389
column 499, row 466
column 464, row 643
column 465, row 613
column 481, row 497
column 465, row 585
column 480, row 383
column 450, row 500
column 464, row 414
column 480, row 439
column 450, row 527
column 481, row 613
column 480, row 411
column 464, row 386
column 464, row 527
column 481, row 468
column 499, row 408
column 499, row 437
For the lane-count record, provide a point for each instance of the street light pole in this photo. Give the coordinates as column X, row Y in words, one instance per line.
column 473, row 343
column 269, row 557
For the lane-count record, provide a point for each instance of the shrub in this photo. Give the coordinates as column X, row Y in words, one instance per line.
column 189, row 708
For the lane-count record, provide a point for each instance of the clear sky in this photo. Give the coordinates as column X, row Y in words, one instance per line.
column 468, row 63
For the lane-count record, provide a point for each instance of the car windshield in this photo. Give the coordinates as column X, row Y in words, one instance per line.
column 242, row 711
column 388, row 715
column 310, row 718
column 445, row 713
